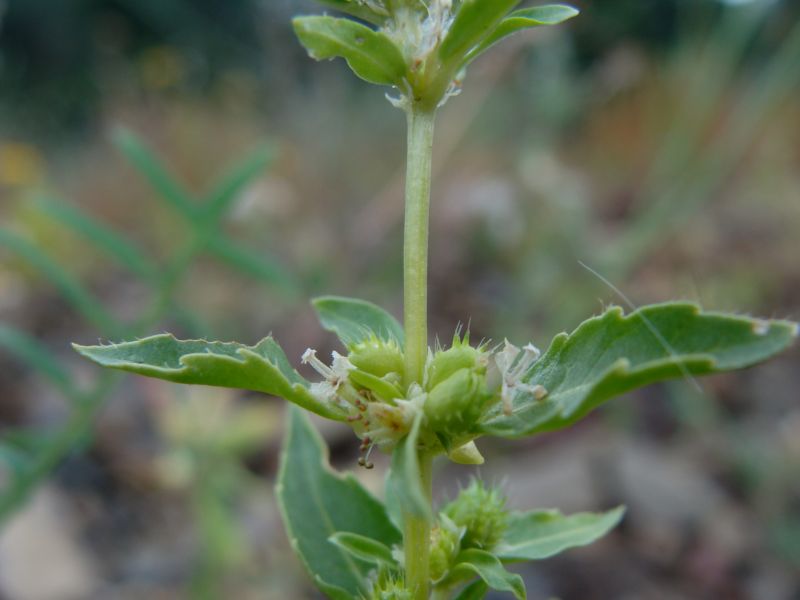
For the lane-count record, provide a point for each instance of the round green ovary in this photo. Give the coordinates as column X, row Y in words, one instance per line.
column 482, row 512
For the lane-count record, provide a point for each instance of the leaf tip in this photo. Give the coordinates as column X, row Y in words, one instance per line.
column 618, row 512
column 564, row 12
column 87, row 351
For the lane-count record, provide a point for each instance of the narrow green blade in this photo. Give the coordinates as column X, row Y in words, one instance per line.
column 38, row 356
column 72, row 290
column 474, row 22
column 526, row 18
column 112, row 243
column 150, row 167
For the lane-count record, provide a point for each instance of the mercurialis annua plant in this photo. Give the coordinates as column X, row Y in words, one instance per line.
column 415, row 402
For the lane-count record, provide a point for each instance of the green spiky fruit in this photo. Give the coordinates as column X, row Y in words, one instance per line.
column 446, row 363
column 482, row 512
column 378, row 357
column 445, row 544
column 388, row 586
column 455, row 405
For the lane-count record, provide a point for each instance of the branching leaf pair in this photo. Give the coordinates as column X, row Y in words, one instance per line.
column 605, row 357
column 447, row 37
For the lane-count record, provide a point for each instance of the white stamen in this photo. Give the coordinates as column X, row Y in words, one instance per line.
column 335, row 375
column 514, row 364
column 310, row 358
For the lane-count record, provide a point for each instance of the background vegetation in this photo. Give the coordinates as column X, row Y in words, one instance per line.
column 180, row 165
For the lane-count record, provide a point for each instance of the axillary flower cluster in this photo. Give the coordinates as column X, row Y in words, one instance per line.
column 460, row 384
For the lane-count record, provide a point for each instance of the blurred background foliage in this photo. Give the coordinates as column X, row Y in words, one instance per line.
column 181, row 165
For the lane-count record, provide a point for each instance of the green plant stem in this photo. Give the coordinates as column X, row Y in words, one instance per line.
column 416, row 535
column 417, row 539
column 415, row 255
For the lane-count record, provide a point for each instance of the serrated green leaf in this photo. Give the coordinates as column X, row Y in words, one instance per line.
column 474, row 21
column 536, row 535
column 316, row 503
column 356, row 320
column 261, row 368
column 488, row 567
column 370, row 54
column 364, row 548
column 526, row 18
column 614, row 353
column 356, row 9
column 403, row 485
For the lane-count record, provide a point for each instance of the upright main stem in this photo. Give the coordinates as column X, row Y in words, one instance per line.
column 417, row 533
column 417, row 540
column 415, row 254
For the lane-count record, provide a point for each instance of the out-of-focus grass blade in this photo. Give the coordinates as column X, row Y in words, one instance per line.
column 15, row 459
column 716, row 69
column 675, row 203
column 30, row 469
column 35, row 354
column 26, row 441
column 101, row 236
column 256, row 265
column 778, row 80
column 236, row 180
column 69, row 287
column 149, row 166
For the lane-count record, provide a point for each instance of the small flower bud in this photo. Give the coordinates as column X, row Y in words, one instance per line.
column 388, row 587
column 377, row 357
column 460, row 355
column 482, row 512
column 456, row 404
column 445, row 544
column 468, row 454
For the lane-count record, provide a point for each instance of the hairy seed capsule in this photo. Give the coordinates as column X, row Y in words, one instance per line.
column 456, row 404
column 387, row 586
column 377, row 357
column 445, row 544
column 482, row 512
column 446, row 362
